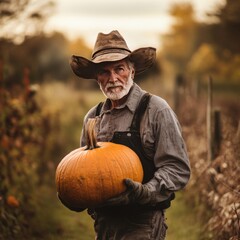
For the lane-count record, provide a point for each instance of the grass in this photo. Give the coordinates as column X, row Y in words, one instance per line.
column 54, row 221
column 182, row 221
column 66, row 107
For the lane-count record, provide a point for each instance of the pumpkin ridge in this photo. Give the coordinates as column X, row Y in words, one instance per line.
column 135, row 168
column 131, row 166
column 115, row 174
column 120, row 166
column 104, row 172
column 87, row 185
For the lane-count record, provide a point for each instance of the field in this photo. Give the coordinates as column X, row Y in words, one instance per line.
column 46, row 127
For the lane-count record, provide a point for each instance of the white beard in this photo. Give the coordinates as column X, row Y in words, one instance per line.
column 115, row 94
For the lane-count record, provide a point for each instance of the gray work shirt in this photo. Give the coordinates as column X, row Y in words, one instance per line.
column 160, row 134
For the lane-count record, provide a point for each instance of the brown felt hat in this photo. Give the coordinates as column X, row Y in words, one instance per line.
column 109, row 48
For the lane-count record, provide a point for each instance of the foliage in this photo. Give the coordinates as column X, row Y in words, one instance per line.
column 179, row 44
column 196, row 48
column 37, row 129
column 22, row 142
column 229, row 12
column 214, row 186
column 79, row 47
column 19, row 19
column 205, row 60
column 46, row 58
column 229, row 23
column 66, row 108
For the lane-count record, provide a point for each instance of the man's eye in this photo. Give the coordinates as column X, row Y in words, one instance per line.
column 102, row 72
column 119, row 69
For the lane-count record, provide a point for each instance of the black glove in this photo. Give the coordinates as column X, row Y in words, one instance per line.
column 70, row 207
column 135, row 193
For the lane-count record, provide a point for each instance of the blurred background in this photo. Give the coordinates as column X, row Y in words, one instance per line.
column 42, row 105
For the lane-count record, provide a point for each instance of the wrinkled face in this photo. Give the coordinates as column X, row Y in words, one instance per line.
column 115, row 79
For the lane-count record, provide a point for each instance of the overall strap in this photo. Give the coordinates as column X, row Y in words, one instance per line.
column 142, row 106
column 98, row 109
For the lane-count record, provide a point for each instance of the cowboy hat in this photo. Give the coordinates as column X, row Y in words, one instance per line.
column 112, row 47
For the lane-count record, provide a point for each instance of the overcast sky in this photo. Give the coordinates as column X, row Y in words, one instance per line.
column 141, row 22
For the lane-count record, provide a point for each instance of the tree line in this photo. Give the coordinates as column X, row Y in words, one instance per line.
column 197, row 49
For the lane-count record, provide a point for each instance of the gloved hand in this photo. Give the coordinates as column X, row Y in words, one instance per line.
column 135, row 193
column 70, row 207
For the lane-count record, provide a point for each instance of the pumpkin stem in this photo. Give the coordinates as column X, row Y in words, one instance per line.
column 91, row 134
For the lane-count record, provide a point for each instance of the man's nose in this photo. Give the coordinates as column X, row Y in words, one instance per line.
column 113, row 77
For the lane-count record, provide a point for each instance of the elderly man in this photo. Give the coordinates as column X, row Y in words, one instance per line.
column 146, row 124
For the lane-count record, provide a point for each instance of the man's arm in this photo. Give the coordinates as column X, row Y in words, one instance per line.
column 170, row 159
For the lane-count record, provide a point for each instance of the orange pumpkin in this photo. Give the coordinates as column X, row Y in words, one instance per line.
column 89, row 175
column 12, row 201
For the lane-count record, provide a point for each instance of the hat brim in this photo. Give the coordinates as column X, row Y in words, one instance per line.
column 143, row 59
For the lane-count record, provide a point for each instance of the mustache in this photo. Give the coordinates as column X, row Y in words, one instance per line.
column 115, row 84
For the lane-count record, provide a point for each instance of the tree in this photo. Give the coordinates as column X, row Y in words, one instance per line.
column 23, row 17
column 180, row 43
column 228, row 27
column 204, row 60
column 200, row 49
column 229, row 13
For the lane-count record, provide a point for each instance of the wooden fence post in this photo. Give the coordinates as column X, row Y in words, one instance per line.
column 179, row 87
column 196, row 87
column 1, row 75
column 217, row 137
column 238, row 131
column 209, row 121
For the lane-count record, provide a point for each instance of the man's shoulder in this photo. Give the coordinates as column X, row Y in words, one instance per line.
column 159, row 107
column 158, row 104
